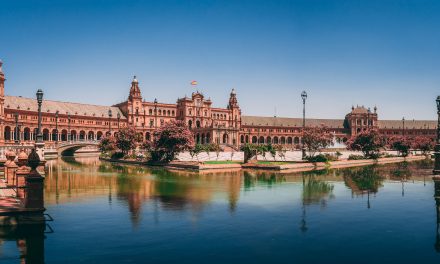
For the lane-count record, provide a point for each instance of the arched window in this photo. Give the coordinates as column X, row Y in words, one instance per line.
column 91, row 135
column 190, row 123
column 27, row 133
column 275, row 140
column 98, row 135
column 7, row 133
column 225, row 138
column 261, row 140
column 54, row 134
column 242, row 139
column 64, row 135
column 296, row 140
column 283, row 140
column 268, row 140
column 45, row 134
column 147, row 136
column 197, row 123
column 254, row 139
column 247, row 139
column 289, row 140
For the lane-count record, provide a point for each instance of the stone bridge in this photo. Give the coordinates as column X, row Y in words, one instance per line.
column 69, row 148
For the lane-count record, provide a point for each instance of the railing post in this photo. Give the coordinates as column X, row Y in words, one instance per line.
column 11, row 168
column 34, row 198
column 21, row 174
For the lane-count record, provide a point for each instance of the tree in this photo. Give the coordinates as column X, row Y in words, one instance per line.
column 368, row 141
column 198, row 148
column 424, row 144
column 317, row 138
column 170, row 139
column 401, row 144
column 107, row 144
column 126, row 139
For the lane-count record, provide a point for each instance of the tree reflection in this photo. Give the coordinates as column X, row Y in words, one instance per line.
column 363, row 180
column 401, row 172
column 315, row 191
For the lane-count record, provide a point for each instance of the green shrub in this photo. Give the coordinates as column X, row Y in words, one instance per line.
column 117, row 155
column 356, row 157
column 317, row 158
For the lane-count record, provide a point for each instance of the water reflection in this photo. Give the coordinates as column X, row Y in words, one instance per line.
column 146, row 194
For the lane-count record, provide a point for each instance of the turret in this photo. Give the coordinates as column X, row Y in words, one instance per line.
column 233, row 102
column 135, row 92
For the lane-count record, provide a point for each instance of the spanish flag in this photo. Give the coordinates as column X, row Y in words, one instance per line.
column 194, row 83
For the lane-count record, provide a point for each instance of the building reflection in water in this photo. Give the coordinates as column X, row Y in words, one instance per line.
column 437, row 206
column 29, row 240
column 76, row 179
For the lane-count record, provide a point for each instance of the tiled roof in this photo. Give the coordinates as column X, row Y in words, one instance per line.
column 289, row 122
column 48, row 106
column 409, row 124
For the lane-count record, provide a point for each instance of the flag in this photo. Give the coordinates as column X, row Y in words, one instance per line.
column 194, row 83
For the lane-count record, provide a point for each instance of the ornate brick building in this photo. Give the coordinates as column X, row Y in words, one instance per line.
column 64, row 121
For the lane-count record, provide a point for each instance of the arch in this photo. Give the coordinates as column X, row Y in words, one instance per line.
column 247, row 139
column 198, row 138
column 147, row 136
column 82, row 135
column 190, row 122
column 283, row 140
column 54, row 135
column 73, row 135
column 275, row 140
column 198, row 123
column 261, row 140
column 45, row 134
column 289, row 140
column 98, row 135
column 242, row 139
column 63, row 135
column 27, row 134
column 208, row 138
column 254, row 139
column 269, row 140
column 344, row 140
column 7, row 133
column 296, row 140
column 202, row 140
column 91, row 135
column 150, row 111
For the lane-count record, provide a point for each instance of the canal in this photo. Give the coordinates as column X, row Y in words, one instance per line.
column 107, row 213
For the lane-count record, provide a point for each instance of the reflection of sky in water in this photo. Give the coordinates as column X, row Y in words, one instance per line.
column 107, row 213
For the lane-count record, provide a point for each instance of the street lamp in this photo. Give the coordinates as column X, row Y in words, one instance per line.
column 39, row 101
column 109, row 121
column 155, row 113
column 403, row 126
column 56, row 126
column 17, row 135
column 119, row 118
column 437, row 145
column 304, row 97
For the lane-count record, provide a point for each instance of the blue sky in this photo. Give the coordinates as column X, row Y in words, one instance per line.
column 384, row 53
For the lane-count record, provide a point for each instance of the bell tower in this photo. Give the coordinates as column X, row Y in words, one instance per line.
column 235, row 116
column 135, row 107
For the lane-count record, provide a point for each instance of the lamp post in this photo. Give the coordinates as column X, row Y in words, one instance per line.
column 109, row 121
column 56, row 126
column 39, row 101
column 17, row 136
column 304, row 97
column 437, row 145
column 119, row 118
column 155, row 113
column 403, row 126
